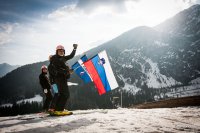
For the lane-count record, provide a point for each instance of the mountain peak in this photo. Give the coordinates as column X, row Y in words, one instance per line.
column 140, row 29
column 5, row 64
column 137, row 32
column 5, row 68
column 196, row 6
column 186, row 23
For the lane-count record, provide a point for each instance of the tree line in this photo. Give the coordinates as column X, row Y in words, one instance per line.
column 21, row 109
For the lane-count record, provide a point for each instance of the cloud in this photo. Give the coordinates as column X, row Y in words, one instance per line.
column 68, row 10
column 26, row 10
column 190, row 2
column 86, row 22
column 89, row 6
column 197, row 2
column 5, row 33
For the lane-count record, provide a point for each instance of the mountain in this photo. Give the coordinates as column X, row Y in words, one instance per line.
column 162, row 56
column 6, row 68
column 16, row 83
column 186, row 23
column 148, row 62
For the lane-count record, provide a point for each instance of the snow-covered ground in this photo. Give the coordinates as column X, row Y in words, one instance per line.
column 185, row 119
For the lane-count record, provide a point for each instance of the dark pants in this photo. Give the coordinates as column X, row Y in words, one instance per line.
column 54, row 101
column 48, row 100
column 63, row 93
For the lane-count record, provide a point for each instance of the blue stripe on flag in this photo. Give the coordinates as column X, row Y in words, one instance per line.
column 84, row 58
column 101, row 71
column 80, row 71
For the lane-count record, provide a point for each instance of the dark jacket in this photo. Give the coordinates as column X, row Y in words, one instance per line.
column 58, row 67
column 44, row 81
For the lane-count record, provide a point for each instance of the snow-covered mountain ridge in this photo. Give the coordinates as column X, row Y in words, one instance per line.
column 159, row 57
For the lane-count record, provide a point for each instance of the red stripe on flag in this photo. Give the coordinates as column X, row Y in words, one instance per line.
column 95, row 76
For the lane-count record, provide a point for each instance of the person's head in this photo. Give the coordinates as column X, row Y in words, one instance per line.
column 44, row 69
column 60, row 50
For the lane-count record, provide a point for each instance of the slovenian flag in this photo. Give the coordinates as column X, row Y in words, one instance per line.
column 79, row 69
column 101, row 73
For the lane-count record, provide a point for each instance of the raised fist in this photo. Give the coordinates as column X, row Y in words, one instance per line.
column 75, row 46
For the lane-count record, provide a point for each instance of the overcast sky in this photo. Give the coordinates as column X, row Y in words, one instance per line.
column 30, row 30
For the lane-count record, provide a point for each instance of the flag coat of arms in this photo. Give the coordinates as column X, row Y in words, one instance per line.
column 101, row 72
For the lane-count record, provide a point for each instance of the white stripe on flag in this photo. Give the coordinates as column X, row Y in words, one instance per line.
column 80, row 61
column 109, row 73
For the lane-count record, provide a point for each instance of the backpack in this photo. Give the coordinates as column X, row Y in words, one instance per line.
column 52, row 73
column 52, row 70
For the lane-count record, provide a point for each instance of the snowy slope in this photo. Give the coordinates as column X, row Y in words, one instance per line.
column 141, row 70
column 109, row 121
column 195, row 81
